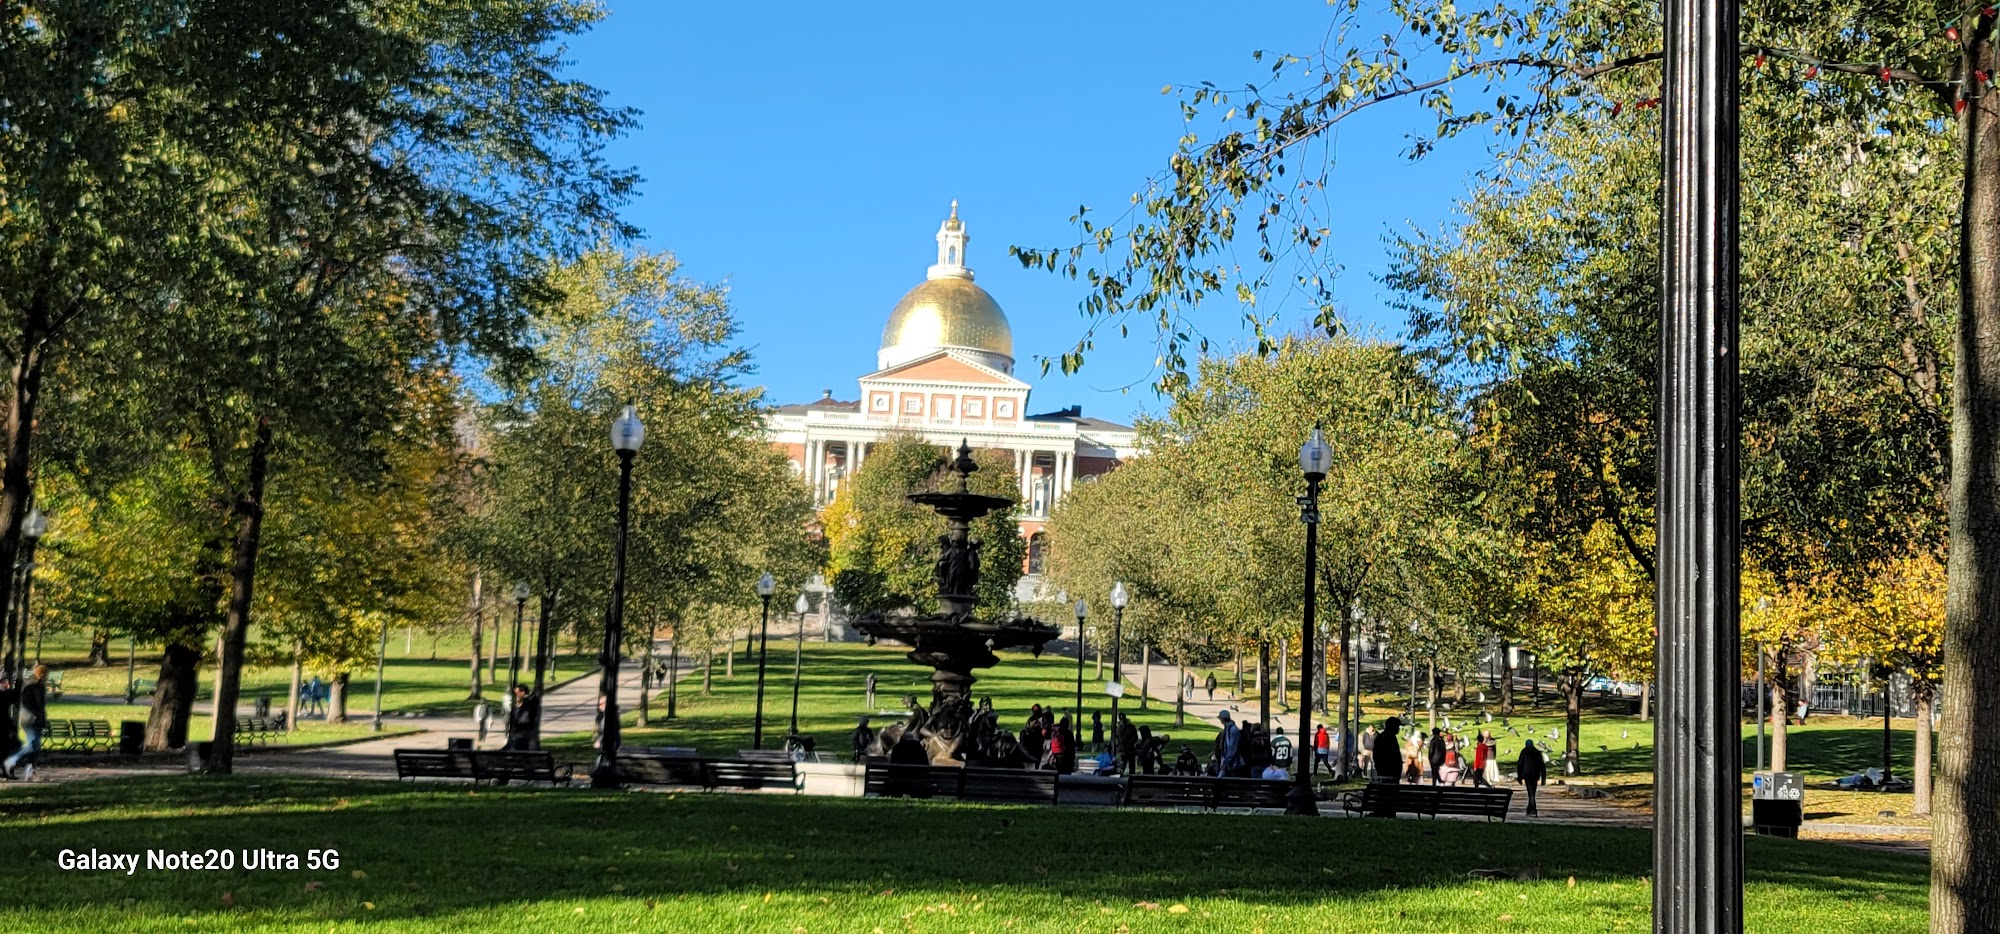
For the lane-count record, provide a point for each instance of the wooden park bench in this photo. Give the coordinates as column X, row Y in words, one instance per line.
column 434, row 763
column 1386, row 799
column 653, row 768
column 520, row 765
column 79, row 736
column 749, row 774
column 1205, row 791
column 1018, row 786
column 260, row 729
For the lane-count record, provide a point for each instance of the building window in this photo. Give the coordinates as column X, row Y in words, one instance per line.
column 913, row 405
column 943, row 408
column 1003, row 409
column 881, row 402
column 972, row 409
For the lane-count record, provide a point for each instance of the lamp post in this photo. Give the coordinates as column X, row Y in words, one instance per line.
column 673, row 672
column 520, row 610
column 32, row 530
column 1314, row 456
column 627, row 433
column 1118, row 600
column 801, row 607
column 1081, row 610
column 766, row 586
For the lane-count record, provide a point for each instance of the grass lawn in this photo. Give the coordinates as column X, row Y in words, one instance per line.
column 831, row 698
column 443, row 858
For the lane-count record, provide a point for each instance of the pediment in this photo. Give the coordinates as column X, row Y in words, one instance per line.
column 945, row 367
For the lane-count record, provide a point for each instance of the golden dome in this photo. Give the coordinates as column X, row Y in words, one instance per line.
column 949, row 311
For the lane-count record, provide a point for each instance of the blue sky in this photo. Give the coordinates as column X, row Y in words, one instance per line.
column 805, row 154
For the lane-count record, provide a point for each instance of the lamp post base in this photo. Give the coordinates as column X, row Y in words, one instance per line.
column 1300, row 801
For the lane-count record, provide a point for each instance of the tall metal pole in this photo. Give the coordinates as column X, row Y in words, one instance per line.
column 1300, row 800
column 381, row 659
column 1698, row 810
column 798, row 658
column 132, row 666
column 514, row 662
column 763, row 646
column 1117, row 670
column 604, row 774
column 673, row 674
column 1078, row 718
column 543, row 610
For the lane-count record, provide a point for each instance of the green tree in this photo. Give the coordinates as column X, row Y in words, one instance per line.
column 883, row 548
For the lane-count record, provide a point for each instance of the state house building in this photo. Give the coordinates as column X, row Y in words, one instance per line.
column 946, row 372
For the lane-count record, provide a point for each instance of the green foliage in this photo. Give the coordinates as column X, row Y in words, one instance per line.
column 884, row 548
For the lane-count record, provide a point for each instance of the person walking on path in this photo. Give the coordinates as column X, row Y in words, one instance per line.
column 1481, row 758
column 1062, row 747
column 1322, row 750
column 1531, row 769
column 870, row 683
column 1436, row 753
column 34, row 720
column 1210, row 684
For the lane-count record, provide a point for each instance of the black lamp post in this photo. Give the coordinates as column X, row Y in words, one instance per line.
column 801, row 607
column 1314, row 456
column 627, row 433
column 520, row 609
column 32, row 529
column 1081, row 610
column 766, row 586
column 1118, row 600
column 673, row 672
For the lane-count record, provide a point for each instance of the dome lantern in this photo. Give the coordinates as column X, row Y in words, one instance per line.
column 948, row 312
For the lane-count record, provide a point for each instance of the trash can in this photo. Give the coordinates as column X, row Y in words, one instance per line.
column 263, row 705
column 198, row 752
column 1777, row 804
column 131, row 737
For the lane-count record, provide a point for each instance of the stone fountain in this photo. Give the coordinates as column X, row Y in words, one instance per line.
column 954, row 641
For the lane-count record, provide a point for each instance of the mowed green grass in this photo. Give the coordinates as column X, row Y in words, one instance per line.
column 832, row 699
column 452, row 858
column 413, row 682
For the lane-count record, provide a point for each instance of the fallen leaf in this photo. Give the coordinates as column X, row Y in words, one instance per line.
column 313, row 886
column 1506, row 917
column 358, row 874
column 1149, row 906
column 229, row 898
column 1572, row 882
column 368, row 905
column 1178, row 910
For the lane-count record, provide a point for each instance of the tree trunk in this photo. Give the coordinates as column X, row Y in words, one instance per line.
column 16, row 490
column 249, row 513
column 1572, row 690
column 478, row 632
column 1965, row 849
column 1180, row 694
column 708, row 672
column 173, row 698
column 1431, row 690
column 646, row 673
column 1239, row 670
column 1284, row 690
column 1264, row 683
column 100, row 648
column 728, row 663
column 1458, row 688
column 1646, row 702
column 1506, row 681
column 336, row 698
column 292, row 696
column 1145, row 675
column 1920, row 803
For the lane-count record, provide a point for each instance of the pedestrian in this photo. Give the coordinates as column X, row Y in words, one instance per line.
column 1229, row 745
column 1367, row 750
column 1481, row 758
column 1322, row 749
column 1436, row 753
column 313, row 697
column 1128, row 744
column 1062, row 747
column 521, row 719
column 1530, row 770
column 1097, row 729
column 1387, row 752
column 1449, row 772
column 1210, row 684
column 1281, row 747
column 871, row 690
column 482, row 712
column 861, row 738
column 34, row 703
column 1187, row 687
column 1491, row 748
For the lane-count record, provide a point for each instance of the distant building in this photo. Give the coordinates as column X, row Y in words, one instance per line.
column 946, row 372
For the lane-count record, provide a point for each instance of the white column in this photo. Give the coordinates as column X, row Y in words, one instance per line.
column 816, row 467
column 1021, row 476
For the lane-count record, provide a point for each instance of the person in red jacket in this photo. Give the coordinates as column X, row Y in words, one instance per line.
column 1322, row 749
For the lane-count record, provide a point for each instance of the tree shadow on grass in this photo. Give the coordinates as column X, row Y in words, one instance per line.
column 450, row 849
